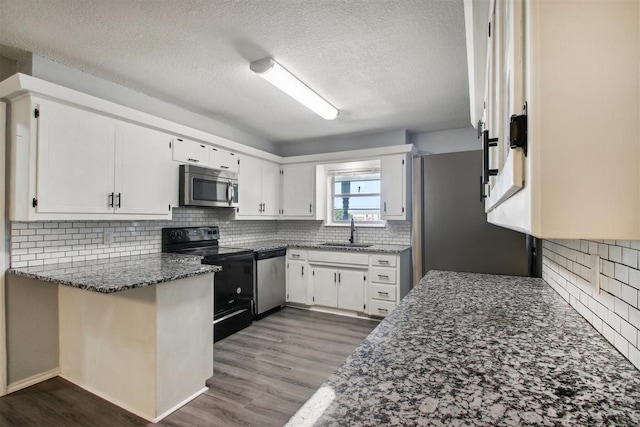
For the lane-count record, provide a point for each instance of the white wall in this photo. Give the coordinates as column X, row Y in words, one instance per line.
column 342, row 143
column 63, row 75
column 447, row 141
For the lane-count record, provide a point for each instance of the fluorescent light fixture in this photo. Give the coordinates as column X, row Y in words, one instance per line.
column 275, row 74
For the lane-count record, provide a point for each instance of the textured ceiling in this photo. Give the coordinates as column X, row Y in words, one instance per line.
column 386, row 64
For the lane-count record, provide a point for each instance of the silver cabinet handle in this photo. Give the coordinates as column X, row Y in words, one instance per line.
column 111, row 196
column 385, row 206
column 383, row 293
column 334, row 277
column 303, row 271
column 119, row 200
column 383, row 310
column 310, row 211
column 193, row 160
column 383, row 261
column 224, row 167
column 295, row 255
column 338, row 277
column 383, row 276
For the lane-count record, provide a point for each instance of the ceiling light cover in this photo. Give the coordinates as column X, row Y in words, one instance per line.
column 275, row 74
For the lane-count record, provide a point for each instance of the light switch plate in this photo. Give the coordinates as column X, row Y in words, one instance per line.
column 595, row 271
column 108, row 238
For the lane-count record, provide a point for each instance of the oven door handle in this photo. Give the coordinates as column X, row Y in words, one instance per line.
column 219, row 259
column 229, row 315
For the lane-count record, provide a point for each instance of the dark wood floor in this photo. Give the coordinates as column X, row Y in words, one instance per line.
column 262, row 375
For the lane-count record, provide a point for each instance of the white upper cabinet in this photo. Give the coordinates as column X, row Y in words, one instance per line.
column 570, row 69
column 75, row 160
column 258, row 189
column 191, row 152
column 142, row 164
column 222, row 159
column 298, row 191
column 70, row 163
column 395, row 182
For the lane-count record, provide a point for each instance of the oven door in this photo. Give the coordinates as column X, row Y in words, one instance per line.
column 233, row 286
column 207, row 187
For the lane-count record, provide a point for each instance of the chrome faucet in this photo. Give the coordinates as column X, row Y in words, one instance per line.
column 352, row 239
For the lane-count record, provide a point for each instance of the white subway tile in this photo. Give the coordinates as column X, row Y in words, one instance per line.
column 630, row 257
column 615, row 253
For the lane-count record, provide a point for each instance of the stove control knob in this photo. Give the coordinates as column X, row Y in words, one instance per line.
column 172, row 234
column 179, row 234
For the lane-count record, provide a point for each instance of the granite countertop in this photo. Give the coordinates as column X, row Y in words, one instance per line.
column 481, row 350
column 119, row 274
column 376, row 248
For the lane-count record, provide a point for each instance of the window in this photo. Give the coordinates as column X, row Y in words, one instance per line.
column 357, row 196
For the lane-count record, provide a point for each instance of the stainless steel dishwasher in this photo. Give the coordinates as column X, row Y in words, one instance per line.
column 270, row 276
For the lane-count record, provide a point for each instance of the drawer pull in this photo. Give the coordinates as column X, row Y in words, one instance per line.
column 383, row 293
column 383, row 276
column 295, row 255
column 193, row 160
column 384, row 310
column 383, row 261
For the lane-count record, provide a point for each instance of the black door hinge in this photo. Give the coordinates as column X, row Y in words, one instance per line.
column 403, row 161
column 402, row 210
column 518, row 131
column 34, row 202
column 36, row 113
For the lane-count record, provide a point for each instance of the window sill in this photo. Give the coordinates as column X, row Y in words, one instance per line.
column 358, row 225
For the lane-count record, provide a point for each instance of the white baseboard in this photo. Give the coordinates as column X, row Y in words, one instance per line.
column 134, row 411
column 179, row 405
column 329, row 310
column 35, row 379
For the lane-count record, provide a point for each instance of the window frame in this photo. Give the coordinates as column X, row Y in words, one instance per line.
column 331, row 195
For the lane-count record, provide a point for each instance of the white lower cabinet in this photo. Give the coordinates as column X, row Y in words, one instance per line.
column 348, row 280
column 297, row 279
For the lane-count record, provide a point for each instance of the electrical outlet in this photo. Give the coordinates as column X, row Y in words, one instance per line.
column 595, row 272
column 108, row 237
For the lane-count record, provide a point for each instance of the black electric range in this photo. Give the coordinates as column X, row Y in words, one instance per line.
column 233, row 306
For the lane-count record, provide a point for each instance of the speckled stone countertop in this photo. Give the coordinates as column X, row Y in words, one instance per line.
column 376, row 248
column 119, row 274
column 480, row 350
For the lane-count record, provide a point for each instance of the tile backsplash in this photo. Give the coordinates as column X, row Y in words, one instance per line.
column 614, row 310
column 51, row 242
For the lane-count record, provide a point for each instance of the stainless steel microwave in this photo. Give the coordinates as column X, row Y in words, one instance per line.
column 208, row 187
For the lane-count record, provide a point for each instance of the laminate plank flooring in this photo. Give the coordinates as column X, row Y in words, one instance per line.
column 262, row 376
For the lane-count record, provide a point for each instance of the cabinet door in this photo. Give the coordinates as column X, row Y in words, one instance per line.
column 191, row 152
column 223, row 160
column 351, row 289
column 75, row 160
column 298, row 190
column 270, row 188
column 325, row 290
column 143, row 171
column 393, row 186
column 250, row 187
column 297, row 275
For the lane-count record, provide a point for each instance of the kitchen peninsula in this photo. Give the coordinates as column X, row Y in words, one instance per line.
column 135, row 330
column 477, row 349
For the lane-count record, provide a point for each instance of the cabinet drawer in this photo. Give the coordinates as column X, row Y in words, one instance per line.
column 383, row 260
column 381, row 308
column 383, row 275
column 383, row 292
column 296, row 254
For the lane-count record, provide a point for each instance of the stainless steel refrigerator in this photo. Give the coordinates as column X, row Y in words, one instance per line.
column 451, row 231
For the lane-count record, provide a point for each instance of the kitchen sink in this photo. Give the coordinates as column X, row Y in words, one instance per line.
column 346, row 245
